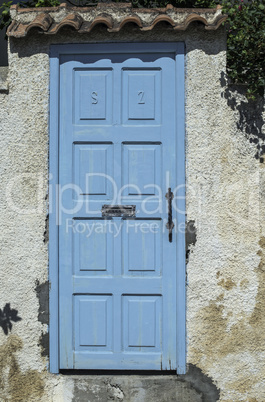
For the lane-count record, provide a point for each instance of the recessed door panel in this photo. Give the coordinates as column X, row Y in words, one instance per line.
column 141, row 96
column 92, row 96
column 142, row 323
column 93, row 247
column 92, row 168
column 141, row 169
column 93, row 322
column 142, row 254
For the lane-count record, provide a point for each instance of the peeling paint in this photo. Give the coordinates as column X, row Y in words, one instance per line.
column 218, row 340
column 190, row 237
column 258, row 316
column 227, row 284
column 46, row 231
column 42, row 291
column 15, row 385
column 244, row 283
column 44, row 344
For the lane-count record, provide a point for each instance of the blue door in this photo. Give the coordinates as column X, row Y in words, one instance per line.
column 121, row 207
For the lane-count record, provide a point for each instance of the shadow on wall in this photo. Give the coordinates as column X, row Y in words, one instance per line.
column 3, row 47
column 7, row 315
column 251, row 115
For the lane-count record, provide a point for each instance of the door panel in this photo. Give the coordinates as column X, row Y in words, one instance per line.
column 93, row 162
column 141, row 106
column 94, row 333
column 95, row 108
column 142, row 323
column 118, row 146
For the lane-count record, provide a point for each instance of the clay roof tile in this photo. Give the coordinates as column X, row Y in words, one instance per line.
column 114, row 15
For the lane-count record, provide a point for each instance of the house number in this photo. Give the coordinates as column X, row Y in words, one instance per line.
column 94, row 96
column 141, row 98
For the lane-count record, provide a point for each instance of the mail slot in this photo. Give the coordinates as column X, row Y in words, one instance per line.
column 118, row 210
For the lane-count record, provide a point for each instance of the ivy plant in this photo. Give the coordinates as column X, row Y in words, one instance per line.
column 246, row 43
column 175, row 3
column 5, row 18
column 245, row 33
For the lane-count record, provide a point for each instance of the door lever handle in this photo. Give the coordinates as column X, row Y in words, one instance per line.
column 170, row 225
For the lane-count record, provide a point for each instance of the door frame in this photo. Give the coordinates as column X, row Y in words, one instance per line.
column 149, row 47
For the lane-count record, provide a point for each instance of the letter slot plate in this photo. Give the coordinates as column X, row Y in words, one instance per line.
column 118, row 210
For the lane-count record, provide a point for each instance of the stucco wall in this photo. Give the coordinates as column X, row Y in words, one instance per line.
column 226, row 246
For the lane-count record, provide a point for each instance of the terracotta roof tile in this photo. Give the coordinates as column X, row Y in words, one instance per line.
column 72, row 20
column 113, row 15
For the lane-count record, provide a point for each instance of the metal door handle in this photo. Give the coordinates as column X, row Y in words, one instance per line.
column 170, row 225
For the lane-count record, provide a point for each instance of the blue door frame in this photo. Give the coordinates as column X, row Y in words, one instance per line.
column 58, row 51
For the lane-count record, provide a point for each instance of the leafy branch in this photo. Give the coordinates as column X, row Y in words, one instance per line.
column 246, row 44
column 5, row 18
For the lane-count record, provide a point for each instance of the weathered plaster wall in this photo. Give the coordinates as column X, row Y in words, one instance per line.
column 225, row 284
column 226, row 249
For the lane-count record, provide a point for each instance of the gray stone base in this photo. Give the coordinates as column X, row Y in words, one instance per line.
column 133, row 388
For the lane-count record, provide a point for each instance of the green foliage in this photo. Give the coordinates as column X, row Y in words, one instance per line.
column 175, row 3
column 40, row 3
column 5, row 18
column 245, row 33
column 246, row 43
